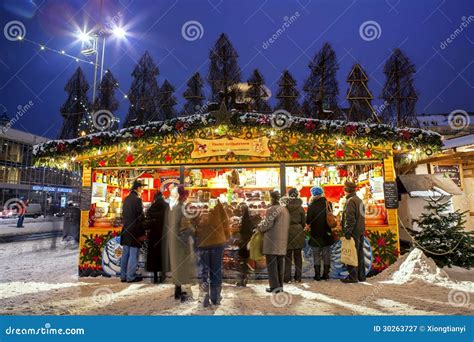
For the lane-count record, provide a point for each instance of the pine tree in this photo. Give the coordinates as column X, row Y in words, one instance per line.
column 167, row 102
column 288, row 94
column 194, row 95
column 257, row 93
column 106, row 99
column 321, row 87
column 359, row 96
column 144, row 93
column 224, row 71
column 399, row 92
column 442, row 236
column 76, row 107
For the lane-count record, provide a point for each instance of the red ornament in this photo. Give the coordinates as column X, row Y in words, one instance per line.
column 60, row 147
column 368, row 153
column 381, row 242
column 294, row 155
column 98, row 240
column 83, row 251
column 129, row 159
column 179, row 126
column 405, row 134
column 340, row 153
column 310, row 126
column 263, row 120
column 378, row 259
column 102, row 163
column 95, row 258
column 396, row 252
column 168, row 158
column 138, row 133
column 114, row 234
column 96, row 141
column 351, row 129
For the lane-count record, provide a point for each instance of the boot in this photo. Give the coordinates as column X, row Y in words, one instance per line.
column 325, row 272
column 155, row 277
column 317, row 273
column 177, row 292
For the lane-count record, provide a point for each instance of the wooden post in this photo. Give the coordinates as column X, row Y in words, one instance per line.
column 392, row 214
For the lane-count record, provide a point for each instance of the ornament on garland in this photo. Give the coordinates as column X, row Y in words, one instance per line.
column 340, row 153
column 168, row 158
column 180, row 126
column 351, row 129
column 129, row 159
column 310, row 126
column 102, row 163
column 138, row 133
column 405, row 134
column 294, row 155
column 96, row 141
column 368, row 153
column 60, row 147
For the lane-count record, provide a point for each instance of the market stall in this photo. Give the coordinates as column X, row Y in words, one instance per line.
column 236, row 157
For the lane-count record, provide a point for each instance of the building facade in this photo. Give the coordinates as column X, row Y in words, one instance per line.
column 20, row 179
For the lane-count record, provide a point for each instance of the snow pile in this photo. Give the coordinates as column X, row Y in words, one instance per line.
column 17, row 288
column 417, row 266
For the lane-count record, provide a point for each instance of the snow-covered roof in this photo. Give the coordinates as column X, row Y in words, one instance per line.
column 463, row 141
column 21, row 136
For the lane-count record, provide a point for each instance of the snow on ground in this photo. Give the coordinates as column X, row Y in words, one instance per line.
column 40, row 277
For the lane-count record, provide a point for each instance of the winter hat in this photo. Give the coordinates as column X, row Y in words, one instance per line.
column 350, row 186
column 293, row 193
column 316, row 191
column 275, row 195
column 182, row 193
column 137, row 184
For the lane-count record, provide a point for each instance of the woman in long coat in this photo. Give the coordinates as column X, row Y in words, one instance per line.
column 321, row 237
column 180, row 242
column 296, row 235
column 155, row 221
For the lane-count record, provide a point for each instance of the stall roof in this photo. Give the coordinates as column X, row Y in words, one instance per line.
column 464, row 141
column 429, row 185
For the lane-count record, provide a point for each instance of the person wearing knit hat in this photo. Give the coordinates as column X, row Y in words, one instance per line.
column 353, row 226
column 321, row 237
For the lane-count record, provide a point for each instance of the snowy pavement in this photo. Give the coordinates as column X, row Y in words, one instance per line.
column 31, row 226
column 40, row 277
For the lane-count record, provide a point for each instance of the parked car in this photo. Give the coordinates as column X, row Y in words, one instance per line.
column 34, row 210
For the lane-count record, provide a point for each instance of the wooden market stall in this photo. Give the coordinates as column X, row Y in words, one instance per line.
column 237, row 157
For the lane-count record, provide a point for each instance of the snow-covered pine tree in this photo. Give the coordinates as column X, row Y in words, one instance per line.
column 106, row 99
column 257, row 93
column 321, row 87
column 144, row 93
column 399, row 91
column 442, row 236
column 77, row 106
column 194, row 95
column 167, row 102
column 224, row 71
column 288, row 94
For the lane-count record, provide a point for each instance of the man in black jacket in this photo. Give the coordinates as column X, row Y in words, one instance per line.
column 353, row 226
column 132, row 232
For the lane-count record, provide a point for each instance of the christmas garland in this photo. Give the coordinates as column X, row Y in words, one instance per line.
column 290, row 137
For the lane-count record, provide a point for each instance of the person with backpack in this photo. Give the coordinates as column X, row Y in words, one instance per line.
column 321, row 238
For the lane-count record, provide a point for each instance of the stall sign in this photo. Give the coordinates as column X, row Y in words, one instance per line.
column 449, row 171
column 220, row 147
column 390, row 193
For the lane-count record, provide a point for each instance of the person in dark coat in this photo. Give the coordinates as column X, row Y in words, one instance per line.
column 296, row 235
column 155, row 221
column 353, row 226
column 133, row 233
column 320, row 233
column 245, row 233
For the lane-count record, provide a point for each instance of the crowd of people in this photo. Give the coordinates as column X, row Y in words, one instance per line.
column 173, row 232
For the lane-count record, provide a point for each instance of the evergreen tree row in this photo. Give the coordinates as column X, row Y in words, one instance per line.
column 150, row 102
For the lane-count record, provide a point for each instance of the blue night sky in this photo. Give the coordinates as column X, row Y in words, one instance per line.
column 445, row 77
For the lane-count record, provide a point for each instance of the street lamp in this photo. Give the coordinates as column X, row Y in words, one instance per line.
column 91, row 46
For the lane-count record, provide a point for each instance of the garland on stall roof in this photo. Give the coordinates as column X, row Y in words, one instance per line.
column 206, row 125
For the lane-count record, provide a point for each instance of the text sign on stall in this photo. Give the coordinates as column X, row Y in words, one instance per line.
column 85, row 200
column 390, row 193
column 220, row 147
